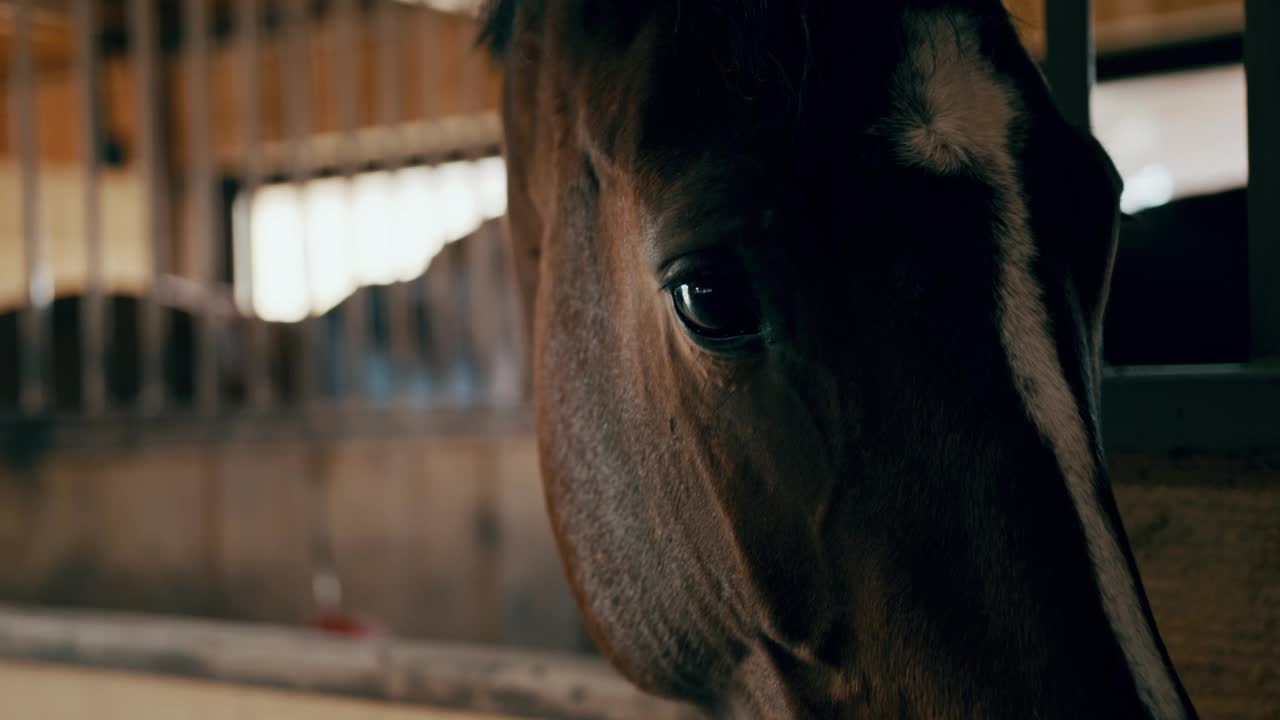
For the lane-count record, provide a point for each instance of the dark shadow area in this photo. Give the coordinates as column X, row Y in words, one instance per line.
column 1180, row 293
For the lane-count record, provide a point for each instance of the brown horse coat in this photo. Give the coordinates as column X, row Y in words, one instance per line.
column 816, row 290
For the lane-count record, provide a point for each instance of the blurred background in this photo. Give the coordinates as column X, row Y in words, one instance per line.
column 260, row 357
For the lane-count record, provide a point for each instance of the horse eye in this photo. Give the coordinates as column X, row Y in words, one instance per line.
column 716, row 310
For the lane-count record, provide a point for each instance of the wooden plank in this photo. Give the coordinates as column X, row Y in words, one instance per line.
column 538, row 607
column 1262, row 64
column 524, row 684
column 261, row 532
column 1204, row 530
column 417, row 531
column 50, row 692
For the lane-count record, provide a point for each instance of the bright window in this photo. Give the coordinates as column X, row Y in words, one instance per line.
column 303, row 248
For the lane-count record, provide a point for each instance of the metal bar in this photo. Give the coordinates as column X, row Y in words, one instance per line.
column 1191, row 408
column 94, row 319
column 356, row 328
column 399, row 319
column 438, row 281
column 200, row 213
column 142, row 35
column 257, row 368
column 428, row 59
column 1262, row 65
column 298, row 124
column 483, row 314
column 33, row 319
column 475, row 306
column 1070, row 64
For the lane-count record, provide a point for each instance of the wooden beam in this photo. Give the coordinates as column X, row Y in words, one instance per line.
column 521, row 683
column 54, row 692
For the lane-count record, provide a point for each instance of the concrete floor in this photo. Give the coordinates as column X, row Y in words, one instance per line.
column 39, row 692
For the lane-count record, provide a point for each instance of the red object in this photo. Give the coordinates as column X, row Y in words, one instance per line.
column 336, row 622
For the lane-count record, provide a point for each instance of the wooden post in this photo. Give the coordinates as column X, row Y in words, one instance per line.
column 1069, row 63
column 1262, row 65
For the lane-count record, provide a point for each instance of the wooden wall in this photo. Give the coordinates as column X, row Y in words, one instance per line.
column 437, row 537
column 1121, row 25
column 439, row 73
column 1206, row 533
column 444, row 537
column 59, row 693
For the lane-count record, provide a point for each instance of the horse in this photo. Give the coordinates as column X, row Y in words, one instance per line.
column 815, row 291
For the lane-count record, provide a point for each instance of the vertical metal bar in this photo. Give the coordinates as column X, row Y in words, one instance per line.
column 441, row 288
column 34, row 318
column 439, row 283
column 200, row 216
column 257, row 366
column 142, row 36
column 298, row 124
column 93, row 309
column 1262, row 65
column 1070, row 64
column 356, row 327
column 482, row 307
column 433, row 315
column 476, row 302
column 399, row 319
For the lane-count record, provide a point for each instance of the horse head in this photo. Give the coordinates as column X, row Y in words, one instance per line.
column 816, row 289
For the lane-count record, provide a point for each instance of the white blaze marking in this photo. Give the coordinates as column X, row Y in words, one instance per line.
column 954, row 115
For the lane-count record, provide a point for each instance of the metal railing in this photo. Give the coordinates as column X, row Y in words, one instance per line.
column 1070, row 68
column 195, row 317
column 374, row 328
column 1214, row 407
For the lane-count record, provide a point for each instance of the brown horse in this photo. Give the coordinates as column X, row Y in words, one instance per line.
column 815, row 289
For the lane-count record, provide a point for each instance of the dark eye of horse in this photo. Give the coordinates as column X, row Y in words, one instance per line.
column 716, row 310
